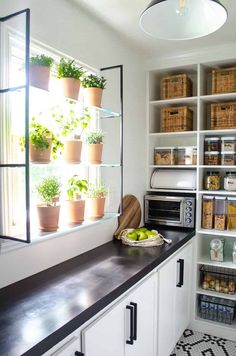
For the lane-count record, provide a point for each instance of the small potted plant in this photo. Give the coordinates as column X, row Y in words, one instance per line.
column 71, row 125
column 39, row 71
column 75, row 203
column 70, row 75
column 42, row 142
column 95, row 201
column 94, row 142
column 49, row 191
column 93, row 88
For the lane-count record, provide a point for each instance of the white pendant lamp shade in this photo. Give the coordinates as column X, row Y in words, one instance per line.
column 182, row 19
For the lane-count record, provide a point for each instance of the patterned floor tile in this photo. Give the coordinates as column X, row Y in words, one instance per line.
column 193, row 343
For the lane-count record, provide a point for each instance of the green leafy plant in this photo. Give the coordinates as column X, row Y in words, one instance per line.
column 70, row 121
column 76, row 187
column 67, row 69
column 41, row 60
column 94, row 81
column 49, row 190
column 39, row 136
column 94, row 137
column 96, row 191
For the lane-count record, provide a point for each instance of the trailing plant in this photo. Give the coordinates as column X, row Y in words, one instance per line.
column 70, row 121
column 94, row 137
column 96, row 191
column 94, row 81
column 49, row 190
column 39, row 136
column 76, row 187
column 67, row 69
column 41, row 60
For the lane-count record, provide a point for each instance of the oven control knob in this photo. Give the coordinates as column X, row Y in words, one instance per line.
column 188, row 220
column 188, row 208
column 189, row 215
column 189, row 203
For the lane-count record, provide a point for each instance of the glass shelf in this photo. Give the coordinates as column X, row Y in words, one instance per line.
column 61, row 164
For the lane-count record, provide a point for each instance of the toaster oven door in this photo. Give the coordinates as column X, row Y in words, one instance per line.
column 164, row 211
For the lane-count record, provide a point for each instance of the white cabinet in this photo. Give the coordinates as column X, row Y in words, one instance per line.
column 127, row 328
column 174, row 288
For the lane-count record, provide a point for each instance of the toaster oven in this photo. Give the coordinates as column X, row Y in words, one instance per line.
column 170, row 210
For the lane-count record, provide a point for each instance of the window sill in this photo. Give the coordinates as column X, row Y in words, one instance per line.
column 8, row 246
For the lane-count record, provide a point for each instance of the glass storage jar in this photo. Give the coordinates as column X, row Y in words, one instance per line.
column 231, row 208
column 230, row 181
column 207, row 212
column 234, row 252
column 217, row 250
column 212, row 181
column 211, row 144
column 186, row 155
column 165, row 156
column 228, row 144
column 220, row 213
column 228, row 158
column 212, row 158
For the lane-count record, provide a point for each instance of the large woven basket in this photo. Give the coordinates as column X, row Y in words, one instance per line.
column 152, row 241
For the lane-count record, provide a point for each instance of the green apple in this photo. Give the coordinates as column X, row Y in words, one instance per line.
column 142, row 236
column 143, row 229
column 132, row 235
column 150, row 233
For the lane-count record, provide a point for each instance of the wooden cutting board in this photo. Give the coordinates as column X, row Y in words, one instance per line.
column 131, row 216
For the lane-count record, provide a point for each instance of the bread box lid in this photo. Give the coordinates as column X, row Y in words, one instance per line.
column 174, row 179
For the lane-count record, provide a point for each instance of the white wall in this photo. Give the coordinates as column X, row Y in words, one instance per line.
column 66, row 27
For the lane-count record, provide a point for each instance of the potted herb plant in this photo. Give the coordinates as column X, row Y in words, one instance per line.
column 95, row 201
column 94, row 142
column 71, row 125
column 70, row 75
column 49, row 191
column 42, row 143
column 39, row 71
column 93, row 88
column 75, row 203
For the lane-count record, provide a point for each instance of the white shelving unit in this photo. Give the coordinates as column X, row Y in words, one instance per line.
column 200, row 104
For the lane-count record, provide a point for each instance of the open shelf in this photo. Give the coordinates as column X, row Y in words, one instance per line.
column 173, row 166
column 217, row 232
column 212, row 98
column 206, row 261
column 216, row 294
column 171, row 102
column 217, row 324
column 181, row 133
column 60, row 164
column 227, row 132
column 171, row 190
column 217, row 192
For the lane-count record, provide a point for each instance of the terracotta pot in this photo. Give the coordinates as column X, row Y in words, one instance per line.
column 41, row 156
column 95, row 208
column 72, row 151
column 76, row 211
column 93, row 96
column 39, row 76
column 48, row 217
column 94, row 153
column 71, row 88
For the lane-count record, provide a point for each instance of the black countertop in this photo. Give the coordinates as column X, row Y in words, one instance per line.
column 38, row 312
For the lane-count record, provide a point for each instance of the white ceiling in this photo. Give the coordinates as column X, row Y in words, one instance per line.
column 123, row 17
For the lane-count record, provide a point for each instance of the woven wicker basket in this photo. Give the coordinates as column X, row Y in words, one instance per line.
column 152, row 241
column 176, row 86
column 176, row 119
column 224, row 80
column 223, row 116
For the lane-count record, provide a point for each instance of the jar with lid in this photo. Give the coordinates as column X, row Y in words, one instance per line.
column 211, row 144
column 228, row 144
column 230, row 181
column 217, row 250
column 234, row 252
column 220, row 213
column 207, row 212
column 231, row 207
column 228, row 158
column 212, row 181
column 212, row 158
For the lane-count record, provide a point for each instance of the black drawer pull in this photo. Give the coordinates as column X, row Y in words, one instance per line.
column 181, row 273
column 135, row 336
column 131, row 338
column 77, row 353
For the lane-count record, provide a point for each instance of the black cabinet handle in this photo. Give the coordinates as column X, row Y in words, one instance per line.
column 181, row 273
column 135, row 336
column 77, row 353
column 131, row 338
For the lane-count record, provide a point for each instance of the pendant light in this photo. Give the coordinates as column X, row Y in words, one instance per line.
column 182, row 19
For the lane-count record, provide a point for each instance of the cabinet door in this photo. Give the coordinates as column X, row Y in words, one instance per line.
column 183, row 292
column 143, row 301
column 166, row 304
column 106, row 335
column 69, row 349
